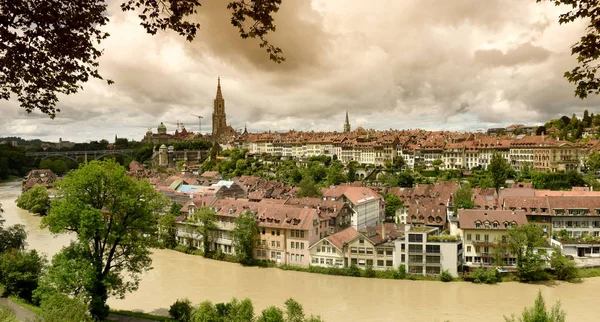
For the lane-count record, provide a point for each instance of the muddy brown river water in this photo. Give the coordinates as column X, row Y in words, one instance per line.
column 335, row 298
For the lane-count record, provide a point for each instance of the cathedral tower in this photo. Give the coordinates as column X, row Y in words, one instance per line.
column 347, row 124
column 219, row 121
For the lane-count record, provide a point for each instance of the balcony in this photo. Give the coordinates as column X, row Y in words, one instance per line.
column 483, row 243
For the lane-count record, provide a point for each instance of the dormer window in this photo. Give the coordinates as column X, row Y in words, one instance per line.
column 495, row 225
column 477, row 224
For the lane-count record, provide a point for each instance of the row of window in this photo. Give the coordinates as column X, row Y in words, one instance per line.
column 327, row 261
column 575, row 224
column 486, row 237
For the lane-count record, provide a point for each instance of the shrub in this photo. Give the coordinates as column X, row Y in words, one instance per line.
column 353, row 270
column 445, row 276
column 563, row 268
column 59, row 307
column 400, row 273
column 181, row 248
column 20, row 271
column 181, row 310
column 369, row 272
column 6, row 315
column 489, row 276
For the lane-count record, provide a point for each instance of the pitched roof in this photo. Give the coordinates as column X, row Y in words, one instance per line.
column 467, row 218
column 338, row 239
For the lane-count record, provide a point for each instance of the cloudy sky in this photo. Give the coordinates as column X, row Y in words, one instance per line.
column 457, row 65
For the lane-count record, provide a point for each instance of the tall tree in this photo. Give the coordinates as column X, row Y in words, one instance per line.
column 539, row 313
column 36, row 200
column 593, row 162
column 245, row 236
column 205, row 220
column 20, row 271
column 113, row 217
column 499, row 170
column 50, row 47
column 524, row 241
column 168, row 230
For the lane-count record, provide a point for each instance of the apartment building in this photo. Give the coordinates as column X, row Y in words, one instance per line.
column 483, row 230
column 422, row 250
column 368, row 207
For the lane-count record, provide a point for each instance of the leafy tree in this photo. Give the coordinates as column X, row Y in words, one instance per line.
column 557, row 180
column 205, row 312
column 463, row 198
column 593, row 162
column 405, row 180
column 586, row 49
column 271, row 314
column 12, row 237
column 59, row 307
column 498, row 254
column 19, row 272
column 245, row 235
column 541, row 130
column 351, row 175
column 206, row 219
column 524, row 242
column 392, row 203
column 168, row 230
column 308, row 188
column 334, row 175
column 181, row 310
column 60, row 38
column 564, row 269
column 539, row 313
column 35, row 200
column 498, row 169
column 113, row 217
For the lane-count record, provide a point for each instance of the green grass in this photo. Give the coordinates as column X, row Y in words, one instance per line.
column 589, row 272
column 25, row 304
column 141, row 315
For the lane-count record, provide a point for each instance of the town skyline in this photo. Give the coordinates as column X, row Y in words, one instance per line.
column 460, row 68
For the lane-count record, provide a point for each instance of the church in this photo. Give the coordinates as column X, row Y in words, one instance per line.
column 221, row 132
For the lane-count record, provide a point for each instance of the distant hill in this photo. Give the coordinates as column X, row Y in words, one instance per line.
column 23, row 142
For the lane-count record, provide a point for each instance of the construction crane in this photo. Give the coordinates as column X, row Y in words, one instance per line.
column 178, row 124
column 199, row 122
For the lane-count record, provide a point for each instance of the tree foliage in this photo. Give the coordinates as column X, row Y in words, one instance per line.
column 205, row 220
column 167, row 228
column 113, row 217
column 308, row 188
column 557, row 180
column 463, row 198
column 539, row 313
column 59, row 307
column 19, row 272
column 563, row 268
column 586, row 49
column 7, row 315
column 392, row 203
column 499, row 170
column 245, row 236
column 181, row 310
column 12, row 237
column 524, row 241
column 50, row 47
column 36, row 200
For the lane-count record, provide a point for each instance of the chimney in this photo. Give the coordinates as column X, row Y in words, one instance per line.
column 383, row 231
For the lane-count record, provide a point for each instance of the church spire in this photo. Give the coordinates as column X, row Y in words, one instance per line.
column 347, row 124
column 219, row 94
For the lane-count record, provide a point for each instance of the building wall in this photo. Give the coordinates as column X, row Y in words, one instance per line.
column 366, row 214
column 479, row 246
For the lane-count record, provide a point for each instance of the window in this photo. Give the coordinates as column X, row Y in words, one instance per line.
column 278, row 232
column 273, row 243
column 361, row 241
column 369, row 262
column 415, row 248
column 263, row 231
column 402, row 258
column 361, row 250
column 469, row 249
column 486, row 238
column 329, row 261
column 293, row 257
column 380, row 252
column 302, row 234
column 354, row 261
column 389, row 252
column 415, row 238
column 477, row 237
column 477, row 249
column 272, row 233
column 292, row 246
column 380, row 262
column 477, row 224
column 315, row 260
column 432, row 259
column 322, row 260
column 301, row 245
column 435, row 249
column 258, row 253
column 495, row 224
column 354, row 250
column 369, row 251
column 389, row 263
column 486, row 249
column 468, row 236
column 278, row 244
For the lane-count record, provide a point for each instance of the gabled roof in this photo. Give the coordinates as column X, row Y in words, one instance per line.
column 467, row 218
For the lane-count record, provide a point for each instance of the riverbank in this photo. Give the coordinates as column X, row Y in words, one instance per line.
column 353, row 271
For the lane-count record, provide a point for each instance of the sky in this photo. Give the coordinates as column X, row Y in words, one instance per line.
column 460, row 65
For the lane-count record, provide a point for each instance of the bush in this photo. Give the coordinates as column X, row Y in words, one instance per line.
column 489, row 276
column 446, row 276
column 369, row 272
column 353, row 270
column 182, row 249
column 181, row 310
column 59, row 308
column 400, row 273
column 20, row 271
column 563, row 268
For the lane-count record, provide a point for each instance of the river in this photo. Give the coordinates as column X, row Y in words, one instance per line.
column 334, row 298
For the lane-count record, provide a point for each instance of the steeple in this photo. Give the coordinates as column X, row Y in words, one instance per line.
column 347, row 124
column 219, row 94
